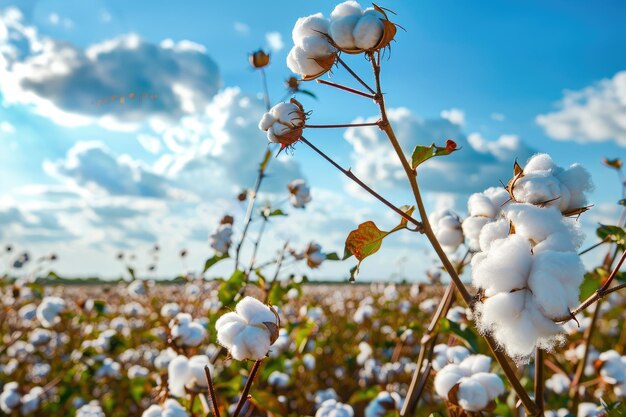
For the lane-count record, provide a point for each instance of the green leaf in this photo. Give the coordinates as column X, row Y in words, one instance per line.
column 131, row 271
column 614, row 233
column 229, row 288
column 332, row 256
column 277, row 212
column 308, row 93
column 212, row 261
column 367, row 394
column 364, row 241
column 424, row 153
column 622, row 202
column 465, row 334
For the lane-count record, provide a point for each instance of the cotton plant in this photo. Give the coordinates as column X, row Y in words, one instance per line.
column 185, row 331
column 469, row 384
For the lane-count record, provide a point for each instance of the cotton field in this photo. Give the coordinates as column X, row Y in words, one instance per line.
column 236, row 262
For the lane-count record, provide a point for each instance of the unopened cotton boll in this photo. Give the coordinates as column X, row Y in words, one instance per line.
column 383, row 403
column 221, row 239
column 332, row 408
column 476, row 386
column 49, row 309
column 447, row 228
column 249, row 331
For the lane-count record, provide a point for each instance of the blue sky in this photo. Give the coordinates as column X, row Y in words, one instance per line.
column 525, row 77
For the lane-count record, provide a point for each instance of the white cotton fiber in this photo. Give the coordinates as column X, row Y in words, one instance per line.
column 506, row 266
column 491, row 382
column 368, row 31
column 447, row 378
column 472, row 226
column 578, row 180
column 472, row 396
column 539, row 162
column 347, row 8
column 341, row 31
column 310, row 26
column 492, row 232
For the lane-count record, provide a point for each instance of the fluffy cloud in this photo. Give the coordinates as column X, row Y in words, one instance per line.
column 275, row 41
column 594, row 114
column 91, row 165
column 454, row 116
column 477, row 165
column 75, row 86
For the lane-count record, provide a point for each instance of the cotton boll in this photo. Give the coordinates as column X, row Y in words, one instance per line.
column 332, row 408
column 476, row 363
column 447, row 228
column 93, row 409
column 49, row 309
column 383, row 402
column 368, row 31
column 310, row 26
column 590, row 410
column 539, row 162
column 10, row 397
column 471, row 395
column 447, row 378
column 31, row 400
column 492, row 232
column 537, row 223
column 578, row 181
column 505, row 267
column 472, row 226
column 316, row 47
column 178, row 375
column 341, row 31
column 491, row 382
column 347, row 8
column 558, row 383
column 278, row 379
column 268, row 119
column 554, row 280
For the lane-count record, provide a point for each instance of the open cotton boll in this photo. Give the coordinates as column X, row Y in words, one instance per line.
column 171, row 408
column 332, row 408
column 10, row 397
column 505, row 267
column 590, row 410
column 554, row 281
column 476, row 363
column 31, row 400
column 92, row 409
column 472, row 226
column 189, row 373
column 447, row 228
column 383, row 403
column 471, row 396
column 558, row 383
column 341, row 31
column 187, row 332
column 490, row 382
column 578, row 181
column 493, row 231
column 488, row 203
column 299, row 193
column 613, row 367
column 48, row 311
column 220, row 240
column 246, row 332
column 368, row 31
column 309, row 26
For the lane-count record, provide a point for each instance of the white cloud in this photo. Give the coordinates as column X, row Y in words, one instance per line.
column 7, row 127
column 498, row 117
column 150, row 143
column 477, row 165
column 454, row 116
column 594, row 114
column 75, row 86
column 56, row 20
column 241, row 28
column 105, row 16
column 275, row 41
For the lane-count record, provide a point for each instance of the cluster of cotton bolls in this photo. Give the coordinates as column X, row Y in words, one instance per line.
column 10, row 399
column 299, row 193
column 170, row 408
column 333, row 408
column 528, row 271
column 283, row 123
column 384, row 403
column 469, row 384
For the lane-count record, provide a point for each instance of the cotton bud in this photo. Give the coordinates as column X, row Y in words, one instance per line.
column 447, row 228
column 543, row 183
column 354, row 30
column 92, row 409
column 48, row 311
column 187, row 332
column 299, row 193
column 10, row 397
column 312, row 54
column 187, row 373
column 314, row 255
column 384, row 403
column 332, row 408
column 259, row 59
column 171, row 408
column 221, row 239
column 469, row 384
column 249, row 331
column 284, row 123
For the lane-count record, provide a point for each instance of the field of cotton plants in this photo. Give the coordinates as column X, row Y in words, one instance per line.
column 521, row 313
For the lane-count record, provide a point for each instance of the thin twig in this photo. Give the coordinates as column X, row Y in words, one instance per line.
column 212, row 396
column 343, row 87
column 246, row 389
column 354, row 178
column 279, row 264
column 356, row 77
column 539, row 380
column 341, row 125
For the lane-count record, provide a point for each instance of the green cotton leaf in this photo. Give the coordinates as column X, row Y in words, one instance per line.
column 615, row 234
column 590, row 284
column 332, row 256
column 308, row 93
column 212, row 261
column 131, row 271
column 230, row 288
column 424, row 153
column 622, row 202
column 52, row 274
column 364, row 241
column 266, row 160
